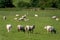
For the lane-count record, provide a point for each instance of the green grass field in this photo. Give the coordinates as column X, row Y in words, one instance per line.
column 39, row 33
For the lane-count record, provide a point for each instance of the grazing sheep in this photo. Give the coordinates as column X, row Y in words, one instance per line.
column 54, row 17
column 20, row 28
column 29, row 28
column 8, row 27
column 50, row 29
column 4, row 17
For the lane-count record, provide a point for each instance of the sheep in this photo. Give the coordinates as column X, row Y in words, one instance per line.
column 36, row 15
column 50, row 29
column 8, row 27
column 21, row 28
column 26, row 19
column 29, row 28
column 17, row 15
column 57, row 19
column 15, row 18
column 54, row 17
column 21, row 19
column 4, row 17
column 24, row 16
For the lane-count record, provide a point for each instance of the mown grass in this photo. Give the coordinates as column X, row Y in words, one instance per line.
column 39, row 33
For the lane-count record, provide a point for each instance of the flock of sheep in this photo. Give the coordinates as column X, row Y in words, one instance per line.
column 23, row 18
column 30, row 28
column 56, row 18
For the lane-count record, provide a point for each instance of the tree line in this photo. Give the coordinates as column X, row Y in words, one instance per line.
column 32, row 4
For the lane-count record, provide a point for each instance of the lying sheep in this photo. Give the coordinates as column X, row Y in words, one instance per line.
column 24, row 16
column 57, row 19
column 54, row 17
column 50, row 29
column 36, row 15
column 15, row 18
column 17, row 15
column 21, row 19
column 26, row 19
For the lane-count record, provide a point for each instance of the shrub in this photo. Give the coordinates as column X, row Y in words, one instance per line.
column 22, row 4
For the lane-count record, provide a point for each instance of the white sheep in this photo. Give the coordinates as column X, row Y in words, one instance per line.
column 36, row 15
column 8, row 27
column 15, row 18
column 26, row 19
column 57, row 19
column 21, row 19
column 24, row 16
column 54, row 17
column 50, row 29
column 17, row 15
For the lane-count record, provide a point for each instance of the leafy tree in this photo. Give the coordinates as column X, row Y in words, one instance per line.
column 2, row 3
column 22, row 4
column 34, row 3
column 9, row 3
column 6, row 3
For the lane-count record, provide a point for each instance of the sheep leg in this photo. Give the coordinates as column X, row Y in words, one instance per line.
column 8, row 30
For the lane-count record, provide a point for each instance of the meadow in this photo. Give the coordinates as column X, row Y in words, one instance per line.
column 44, row 18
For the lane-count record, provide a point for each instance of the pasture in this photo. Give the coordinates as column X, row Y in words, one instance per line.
column 44, row 18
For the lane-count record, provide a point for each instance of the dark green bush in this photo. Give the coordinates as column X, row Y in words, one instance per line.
column 6, row 3
column 22, row 4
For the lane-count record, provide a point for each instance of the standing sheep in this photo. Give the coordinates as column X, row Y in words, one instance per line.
column 20, row 28
column 30, row 28
column 50, row 29
column 8, row 27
